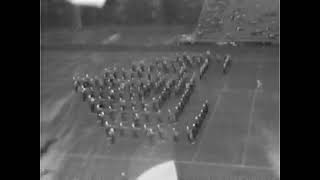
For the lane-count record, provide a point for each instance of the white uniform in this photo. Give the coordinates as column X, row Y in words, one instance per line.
column 227, row 63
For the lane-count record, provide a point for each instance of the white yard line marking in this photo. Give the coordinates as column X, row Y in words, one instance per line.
column 244, row 153
column 87, row 157
column 198, row 163
column 256, row 91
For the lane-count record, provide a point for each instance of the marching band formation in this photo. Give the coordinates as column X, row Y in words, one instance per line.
column 133, row 101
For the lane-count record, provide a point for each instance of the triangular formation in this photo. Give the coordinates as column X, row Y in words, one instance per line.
column 133, row 100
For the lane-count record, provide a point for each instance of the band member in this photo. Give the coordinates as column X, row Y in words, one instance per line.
column 123, row 73
column 201, row 71
column 140, row 95
column 182, row 71
column 173, row 67
column 175, row 135
column 186, row 61
column 76, row 83
column 196, row 61
column 177, row 112
column 144, row 105
column 181, row 106
column 123, row 104
column 146, row 113
column 165, row 67
column 197, row 122
column 102, row 105
column 115, row 72
column 133, row 68
column 131, row 95
column 134, row 130
column 160, row 100
column 112, row 95
column 137, row 120
column 190, row 135
column 107, row 126
column 193, row 79
column 151, row 68
column 142, row 66
column 101, row 118
column 92, row 103
column 145, row 129
column 227, row 64
column 121, row 129
column 158, row 116
column 111, row 135
column 171, row 117
column 160, row 132
column 132, row 75
column 150, row 135
column 140, row 74
column 85, row 93
column 147, row 89
column 112, row 82
column 201, row 114
column 149, row 77
column 193, row 134
column 106, row 73
column 155, row 104
column 124, row 176
column 98, row 83
column 179, row 61
column 110, row 106
column 178, row 87
column 205, row 107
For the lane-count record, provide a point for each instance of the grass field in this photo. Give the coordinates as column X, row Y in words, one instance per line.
column 240, row 138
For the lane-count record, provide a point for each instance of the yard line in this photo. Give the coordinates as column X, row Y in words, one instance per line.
column 197, row 163
column 244, row 156
column 207, row 125
column 256, row 91
column 87, row 158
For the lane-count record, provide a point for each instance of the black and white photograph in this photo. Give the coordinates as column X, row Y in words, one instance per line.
column 159, row 89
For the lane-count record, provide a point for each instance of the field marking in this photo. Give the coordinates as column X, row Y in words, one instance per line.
column 224, row 88
column 256, row 91
column 244, row 156
column 87, row 158
column 207, row 125
column 198, row 163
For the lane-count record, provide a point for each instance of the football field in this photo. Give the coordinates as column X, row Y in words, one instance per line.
column 239, row 139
